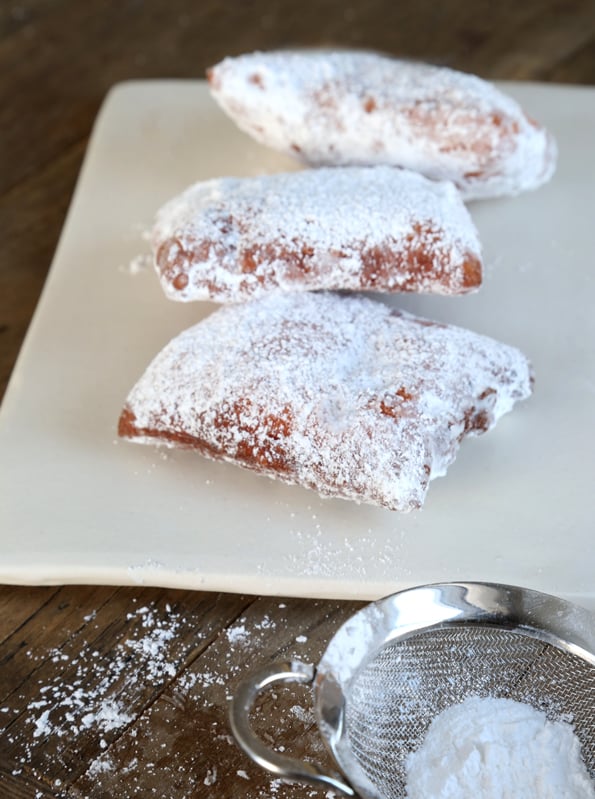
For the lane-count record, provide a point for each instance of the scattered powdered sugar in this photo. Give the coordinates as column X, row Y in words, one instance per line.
column 377, row 228
column 350, row 107
column 100, row 766
column 319, row 555
column 237, row 634
column 211, row 777
column 497, row 748
column 337, row 393
column 88, row 695
column 66, row 706
column 141, row 573
column 140, row 263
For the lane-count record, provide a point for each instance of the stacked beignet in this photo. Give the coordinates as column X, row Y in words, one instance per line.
column 346, row 107
column 357, row 228
column 336, row 392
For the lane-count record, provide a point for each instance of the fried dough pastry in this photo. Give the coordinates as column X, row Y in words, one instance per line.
column 362, row 228
column 337, row 393
column 351, row 107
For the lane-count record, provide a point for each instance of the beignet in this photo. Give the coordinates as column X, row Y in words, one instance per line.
column 337, row 393
column 351, row 107
column 363, row 228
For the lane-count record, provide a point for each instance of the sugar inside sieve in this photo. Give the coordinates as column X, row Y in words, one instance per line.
column 397, row 663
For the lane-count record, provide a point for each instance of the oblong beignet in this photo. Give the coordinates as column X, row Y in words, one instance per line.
column 337, row 393
column 356, row 228
column 352, row 107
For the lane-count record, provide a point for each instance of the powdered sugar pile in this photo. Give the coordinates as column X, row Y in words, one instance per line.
column 353, row 228
column 351, row 107
column 339, row 394
column 497, row 749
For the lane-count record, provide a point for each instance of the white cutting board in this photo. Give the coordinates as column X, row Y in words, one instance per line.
column 76, row 506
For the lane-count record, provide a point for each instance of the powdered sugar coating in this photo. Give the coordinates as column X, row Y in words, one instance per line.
column 352, row 107
column 337, row 393
column 376, row 228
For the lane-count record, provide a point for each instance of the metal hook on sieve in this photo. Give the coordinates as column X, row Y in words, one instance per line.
column 288, row 768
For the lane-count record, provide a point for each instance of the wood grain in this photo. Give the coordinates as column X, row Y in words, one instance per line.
column 165, row 663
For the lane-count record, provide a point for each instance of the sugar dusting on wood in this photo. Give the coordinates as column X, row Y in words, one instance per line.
column 86, row 698
column 64, row 708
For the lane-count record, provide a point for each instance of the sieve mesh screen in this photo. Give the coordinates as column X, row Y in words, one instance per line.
column 394, row 698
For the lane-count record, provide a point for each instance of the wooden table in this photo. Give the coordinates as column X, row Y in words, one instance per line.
column 124, row 692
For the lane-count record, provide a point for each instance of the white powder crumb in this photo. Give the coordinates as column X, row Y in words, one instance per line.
column 301, row 639
column 241, row 773
column 187, row 681
column 108, row 716
column 301, row 713
column 238, row 634
column 100, row 766
column 42, row 726
column 494, row 748
column 131, row 765
column 275, row 785
column 211, row 777
column 266, row 624
column 140, row 263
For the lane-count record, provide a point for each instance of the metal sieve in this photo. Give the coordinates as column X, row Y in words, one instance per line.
column 398, row 662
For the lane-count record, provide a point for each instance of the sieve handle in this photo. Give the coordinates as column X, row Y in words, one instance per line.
column 287, row 768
